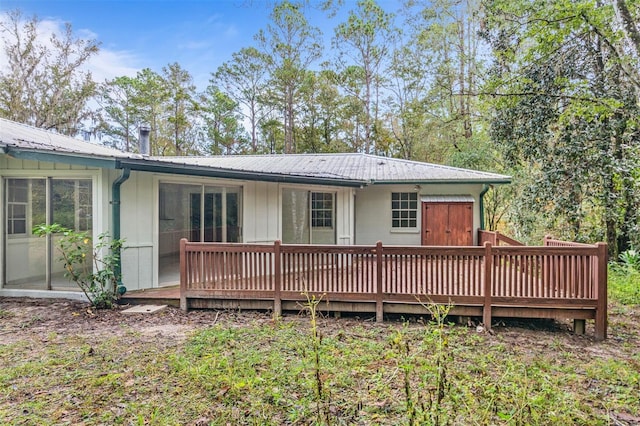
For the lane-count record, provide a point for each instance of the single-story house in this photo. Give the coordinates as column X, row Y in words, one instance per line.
column 153, row 202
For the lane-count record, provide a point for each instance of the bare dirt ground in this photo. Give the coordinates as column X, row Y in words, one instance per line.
column 24, row 317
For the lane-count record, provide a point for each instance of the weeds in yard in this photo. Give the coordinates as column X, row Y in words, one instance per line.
column 265, row 372
column 401, row 346
column 437, row 337
column 322, row 395
column 430, row 360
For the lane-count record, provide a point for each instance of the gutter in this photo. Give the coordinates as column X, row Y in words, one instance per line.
column 485, row 189
column 115, row 217
column 62, row 157
column 195, row 170
column 487, row 181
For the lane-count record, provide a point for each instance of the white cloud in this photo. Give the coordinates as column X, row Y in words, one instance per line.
column 108, row 64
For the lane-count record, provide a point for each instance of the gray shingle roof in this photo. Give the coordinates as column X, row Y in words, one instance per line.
column 327, row 168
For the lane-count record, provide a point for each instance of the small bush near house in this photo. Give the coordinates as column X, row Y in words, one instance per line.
column 91, row 267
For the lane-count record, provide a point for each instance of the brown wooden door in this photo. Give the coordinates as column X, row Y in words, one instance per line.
column 447, row 224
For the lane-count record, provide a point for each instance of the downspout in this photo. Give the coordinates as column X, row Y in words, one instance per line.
column 115, row 204
column 485, row 189
column 115, row 214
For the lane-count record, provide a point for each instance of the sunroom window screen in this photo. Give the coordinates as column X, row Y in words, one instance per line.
column 30, row 261
column 404, row 209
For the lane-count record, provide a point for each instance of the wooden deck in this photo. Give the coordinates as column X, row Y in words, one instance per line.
column 154, row 296
column 557, row 280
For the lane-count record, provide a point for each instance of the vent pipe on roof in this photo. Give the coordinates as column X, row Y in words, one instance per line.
column 144, row 139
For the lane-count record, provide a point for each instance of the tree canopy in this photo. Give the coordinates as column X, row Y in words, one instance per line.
column 546, row 91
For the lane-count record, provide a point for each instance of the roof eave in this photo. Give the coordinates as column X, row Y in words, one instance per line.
column 75, row 159
column 194, row 170
column 497, row 181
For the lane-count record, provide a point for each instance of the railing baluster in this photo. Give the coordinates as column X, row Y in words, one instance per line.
column 558, row 271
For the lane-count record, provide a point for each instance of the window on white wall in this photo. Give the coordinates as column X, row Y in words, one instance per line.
column 404, row 210
column 322, row 209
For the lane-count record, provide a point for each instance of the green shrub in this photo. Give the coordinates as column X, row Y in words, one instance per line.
column 92, row 267
column 630, row 259
column 624, row 278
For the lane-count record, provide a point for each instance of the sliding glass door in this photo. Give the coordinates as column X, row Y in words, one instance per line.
column 33, row 262
column 204, row 213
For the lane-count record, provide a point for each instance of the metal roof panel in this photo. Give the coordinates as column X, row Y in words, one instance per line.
column 342, row 169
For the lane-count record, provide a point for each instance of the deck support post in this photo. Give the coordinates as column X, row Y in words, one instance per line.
column 601, row 283
column 379, row 295
column 578, row 326
column 183, row 274
column 488, row 281
column 277, row 284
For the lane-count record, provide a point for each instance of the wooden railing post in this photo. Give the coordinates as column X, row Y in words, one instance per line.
column 379, row 294
column 183, row 275
column 488, row 285
column 601, row 283
column 277, row 284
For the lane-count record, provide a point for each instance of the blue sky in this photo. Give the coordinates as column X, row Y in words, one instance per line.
column 198, row 34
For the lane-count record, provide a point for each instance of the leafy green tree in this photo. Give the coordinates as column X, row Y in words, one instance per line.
column 94, row 268
column 320, row 114
column 129, row 102
column 273, row 135
column 363, row 43
column 566, row 112
column 223, row 122
column 407, row 116
column 44, row 84
column 151, row 97
column 433, row 81
column 292, row 45
column 118, row 99
column 244, row 79
column 181, row 108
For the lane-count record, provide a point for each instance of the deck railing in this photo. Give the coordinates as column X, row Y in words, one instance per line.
column 496, row 239
column 506, row 278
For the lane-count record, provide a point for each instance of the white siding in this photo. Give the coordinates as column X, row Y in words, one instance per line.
column 138, row 224
column 261, row 210
column 373, row 211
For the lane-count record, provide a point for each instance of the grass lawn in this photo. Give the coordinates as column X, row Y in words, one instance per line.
column 65, row 364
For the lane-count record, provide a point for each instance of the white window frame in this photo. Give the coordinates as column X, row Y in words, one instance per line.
column 407, row 216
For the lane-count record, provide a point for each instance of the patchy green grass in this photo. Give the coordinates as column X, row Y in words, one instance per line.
column 624, row 284
column 264, row 372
